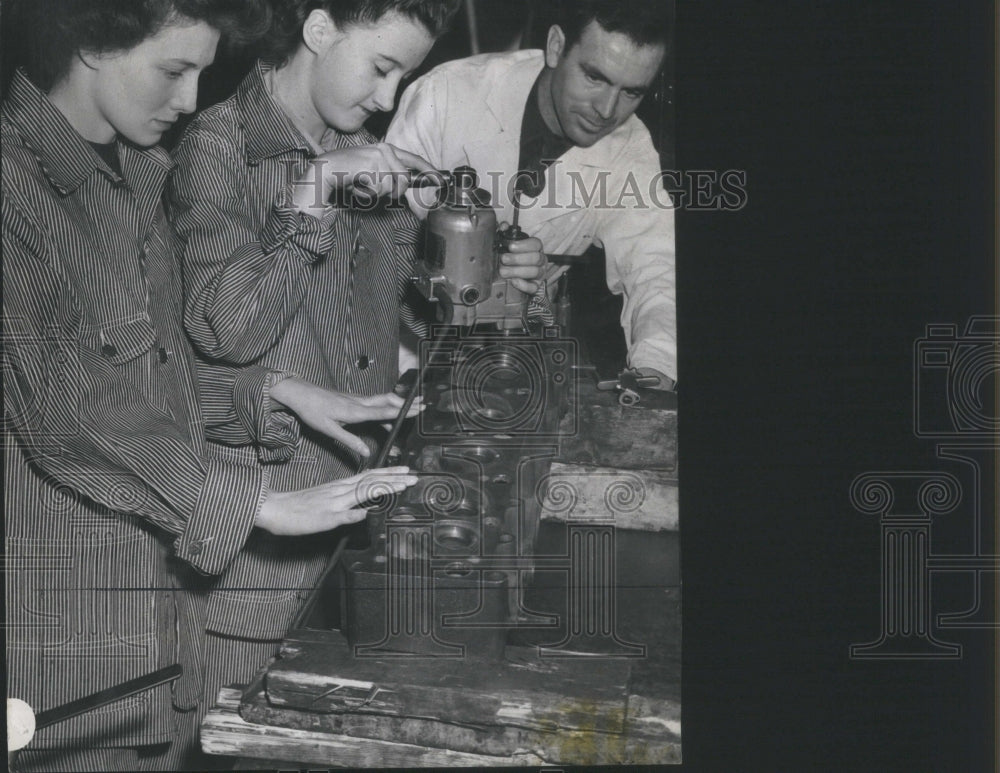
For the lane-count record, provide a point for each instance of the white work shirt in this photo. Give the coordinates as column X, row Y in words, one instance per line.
column 470, row 111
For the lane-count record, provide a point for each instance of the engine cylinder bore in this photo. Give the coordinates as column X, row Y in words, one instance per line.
column 475, row 404
column 465, row 458
column 429, row 459
column 456, row 536
column 503, row 363
column 500, row 386
column 407, row 515
column 445, row 495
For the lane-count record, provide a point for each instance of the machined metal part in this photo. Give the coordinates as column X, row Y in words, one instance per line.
column 447, row 557
column 629, row 386
column 460, row 265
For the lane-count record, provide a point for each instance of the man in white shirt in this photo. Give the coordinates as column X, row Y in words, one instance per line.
column 557, row 128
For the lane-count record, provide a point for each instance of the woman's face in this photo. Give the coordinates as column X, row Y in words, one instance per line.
column 140, row 93
column 358, row 69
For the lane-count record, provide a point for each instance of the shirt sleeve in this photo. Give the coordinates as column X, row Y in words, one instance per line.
column 417, row 127
column 242, row 284
column 82, row 423
column 238, row 411
column 638, row 239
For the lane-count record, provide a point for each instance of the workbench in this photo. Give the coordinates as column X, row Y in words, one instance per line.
column 591, row 677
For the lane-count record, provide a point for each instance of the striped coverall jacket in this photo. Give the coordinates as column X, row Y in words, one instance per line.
column 112, row 504
column 266, row 285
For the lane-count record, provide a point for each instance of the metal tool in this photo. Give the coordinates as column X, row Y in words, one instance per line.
column 360, row 185
column 447, row 557
column 110, row 695
column 101, row 698
column 461, row 263
column 628, row 384
column 418, row 179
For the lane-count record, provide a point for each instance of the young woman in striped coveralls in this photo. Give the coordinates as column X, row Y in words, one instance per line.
column 277, row 275
column 116, row 513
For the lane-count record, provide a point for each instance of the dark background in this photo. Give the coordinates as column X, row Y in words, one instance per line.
column 867, row 134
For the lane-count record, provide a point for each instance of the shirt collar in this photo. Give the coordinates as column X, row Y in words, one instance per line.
column 268, row 131
column 533, row 127
column 65, row 157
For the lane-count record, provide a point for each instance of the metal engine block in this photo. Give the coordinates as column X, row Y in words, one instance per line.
column 448, row 557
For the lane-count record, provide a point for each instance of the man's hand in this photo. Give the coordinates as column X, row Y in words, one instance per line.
column 321, row 508
column 371, row 171
column 525, row 265
column 666, row 383
column 325, row 410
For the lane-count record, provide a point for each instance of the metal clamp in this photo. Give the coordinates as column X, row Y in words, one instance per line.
column 628, row 385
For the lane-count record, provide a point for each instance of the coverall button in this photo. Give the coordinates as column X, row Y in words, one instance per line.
column 363, row 362
column 108, row 350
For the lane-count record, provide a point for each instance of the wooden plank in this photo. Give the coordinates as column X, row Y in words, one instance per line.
column 225, row 732
column 649, row 739
column 523, row 691
column 631, row 499
column 602, row 433
column 653, row 717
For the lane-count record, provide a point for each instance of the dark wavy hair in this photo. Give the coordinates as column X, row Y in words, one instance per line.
column 646, row 22
column 290, row 15
column 49, row 33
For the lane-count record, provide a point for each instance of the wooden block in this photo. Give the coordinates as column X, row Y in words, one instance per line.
column 630, row 499
column 225, row 732
column 525, row 691
column 600, row 432
column 649, row 738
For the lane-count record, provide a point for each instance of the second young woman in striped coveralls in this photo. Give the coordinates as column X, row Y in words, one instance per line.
column 275, row 275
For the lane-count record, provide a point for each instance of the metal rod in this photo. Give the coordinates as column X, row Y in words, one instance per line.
column 383, row 453
column 417, row 179
column 110, row 695
column 517, row 210
column 401, row 417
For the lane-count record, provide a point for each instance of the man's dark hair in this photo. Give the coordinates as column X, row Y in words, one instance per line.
column 645, row 22
column 50, row 33
column 290, row 15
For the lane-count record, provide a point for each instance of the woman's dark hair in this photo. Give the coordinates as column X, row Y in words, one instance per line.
column 49, row 33
column 289, row 16
column 646, row 22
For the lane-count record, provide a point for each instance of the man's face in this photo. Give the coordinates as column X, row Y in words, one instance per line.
column 599, row 82
column 140, row 93
column 359, row 69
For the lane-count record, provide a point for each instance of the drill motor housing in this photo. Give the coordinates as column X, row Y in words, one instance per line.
column 461, row 262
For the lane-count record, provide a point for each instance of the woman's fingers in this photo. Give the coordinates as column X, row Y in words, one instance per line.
column 372, row 484
column 348, row 439
column 333, row 504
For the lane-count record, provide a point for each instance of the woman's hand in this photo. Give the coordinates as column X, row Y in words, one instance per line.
column 325, row 507
column 326, row 410
column 369, row 171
